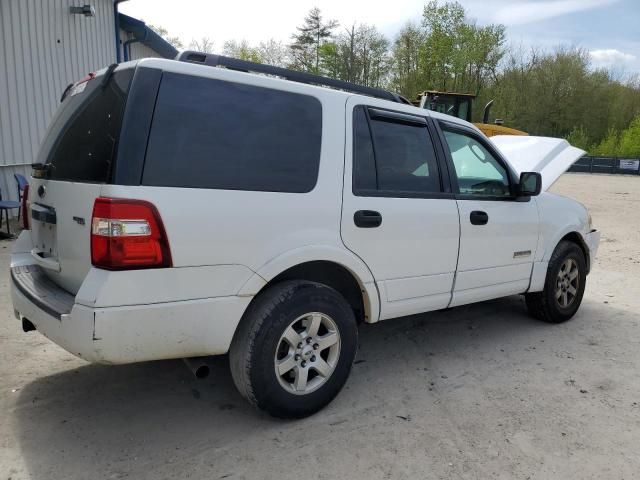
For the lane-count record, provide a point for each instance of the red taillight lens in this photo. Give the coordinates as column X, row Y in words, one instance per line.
column 127, row 234
column 25, row 208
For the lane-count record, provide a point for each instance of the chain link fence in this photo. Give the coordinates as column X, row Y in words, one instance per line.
column 593, row 164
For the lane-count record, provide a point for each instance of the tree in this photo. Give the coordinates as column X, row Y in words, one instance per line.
column 609, row 146
column 242, row 50
column 273, row 52
column 578, row 138
column 204, row 45
column 447, row 52
column 630, row 140
column 164, row 33
column 307, row 43
column 405, row 61
column 359, row 54
column 457, row 54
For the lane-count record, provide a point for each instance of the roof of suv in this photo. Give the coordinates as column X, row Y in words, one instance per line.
column 193, row 62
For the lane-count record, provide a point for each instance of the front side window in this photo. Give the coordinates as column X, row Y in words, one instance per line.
column 392, row 155
column 209, row 133
column 477, row 170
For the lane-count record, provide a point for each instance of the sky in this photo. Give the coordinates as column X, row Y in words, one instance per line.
column 608, row 29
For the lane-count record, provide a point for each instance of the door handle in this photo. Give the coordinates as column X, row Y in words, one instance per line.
column 479, row 218
column 367, row 219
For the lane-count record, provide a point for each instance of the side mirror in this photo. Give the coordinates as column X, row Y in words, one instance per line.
column 530, row 184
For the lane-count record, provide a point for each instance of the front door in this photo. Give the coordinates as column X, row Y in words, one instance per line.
column 396, row 214
column 498, row 232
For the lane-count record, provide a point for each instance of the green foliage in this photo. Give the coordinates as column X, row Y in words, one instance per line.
column 550, row 93
column 406, row 76
column 609, row 146
column 630, row 140
column 308, row 42
column 446, row 52
column 242, row 50
column 358, row 55
column 578, row 138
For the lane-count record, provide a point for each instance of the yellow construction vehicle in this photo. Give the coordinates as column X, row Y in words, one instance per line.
column 460, row 105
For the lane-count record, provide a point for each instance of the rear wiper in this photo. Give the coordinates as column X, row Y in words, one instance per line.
column 107, row 75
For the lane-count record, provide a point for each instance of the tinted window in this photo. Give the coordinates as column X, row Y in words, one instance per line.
column 82, row 139
column 364, row 164
column 214, row 134
column 477, row 170
column 393, row 156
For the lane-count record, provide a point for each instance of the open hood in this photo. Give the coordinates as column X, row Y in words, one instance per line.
column 551, row 157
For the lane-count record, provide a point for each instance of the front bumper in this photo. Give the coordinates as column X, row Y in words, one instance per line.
column 127, row 334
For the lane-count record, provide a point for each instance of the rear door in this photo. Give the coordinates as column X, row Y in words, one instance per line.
column 75, row 160
column 498, row 232
column 397, row 214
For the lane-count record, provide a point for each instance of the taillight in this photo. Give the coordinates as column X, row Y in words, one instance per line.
column 127, row 234
column 25, row 208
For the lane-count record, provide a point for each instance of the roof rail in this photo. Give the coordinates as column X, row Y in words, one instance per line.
column 213, row 60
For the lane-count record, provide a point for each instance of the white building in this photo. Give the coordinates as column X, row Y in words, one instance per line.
column 44, row 46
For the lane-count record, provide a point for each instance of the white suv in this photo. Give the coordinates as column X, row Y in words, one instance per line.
column 197, row 207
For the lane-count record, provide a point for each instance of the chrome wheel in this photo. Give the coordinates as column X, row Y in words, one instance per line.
column 567, row 283
column 307, row 353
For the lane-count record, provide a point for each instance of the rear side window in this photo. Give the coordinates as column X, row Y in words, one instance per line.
column 392, row 155
column 82, row 139
column 210, row 133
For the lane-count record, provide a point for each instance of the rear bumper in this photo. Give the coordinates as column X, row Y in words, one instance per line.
column 131, row 333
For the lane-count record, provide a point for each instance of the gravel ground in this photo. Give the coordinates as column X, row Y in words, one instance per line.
column 476, row 392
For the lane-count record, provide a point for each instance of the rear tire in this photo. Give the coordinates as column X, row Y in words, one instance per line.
column 563, row 287
column 294, row 348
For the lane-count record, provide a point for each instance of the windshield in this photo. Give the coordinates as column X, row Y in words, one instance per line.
column 449, row 105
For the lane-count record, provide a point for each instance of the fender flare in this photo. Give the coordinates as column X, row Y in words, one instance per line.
column 550, row 245
column 539, row 270
column 309, row 253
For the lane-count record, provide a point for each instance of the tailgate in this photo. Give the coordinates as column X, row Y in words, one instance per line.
column 60, row 229
column 75, row 159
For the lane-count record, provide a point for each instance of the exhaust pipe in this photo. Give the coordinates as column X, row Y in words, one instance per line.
column 197, row 367
column 27, row 326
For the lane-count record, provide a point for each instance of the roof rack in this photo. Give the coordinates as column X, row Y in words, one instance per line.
column 213, row 60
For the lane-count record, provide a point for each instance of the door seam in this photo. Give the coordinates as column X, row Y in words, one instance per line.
column 455, row 272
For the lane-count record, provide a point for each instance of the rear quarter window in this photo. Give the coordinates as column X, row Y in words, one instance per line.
column 209, row 133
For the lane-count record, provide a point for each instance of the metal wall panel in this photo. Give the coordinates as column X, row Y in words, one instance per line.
column 137, row 50
column 43, row 48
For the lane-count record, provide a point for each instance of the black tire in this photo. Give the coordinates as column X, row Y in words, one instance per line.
column 545, row 305
column 256, row 342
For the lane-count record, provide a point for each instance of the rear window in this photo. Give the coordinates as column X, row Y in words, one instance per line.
column 210, row 133
column 82, row 139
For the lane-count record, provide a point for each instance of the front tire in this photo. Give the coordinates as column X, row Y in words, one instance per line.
column 564, row 285
column 294, row 348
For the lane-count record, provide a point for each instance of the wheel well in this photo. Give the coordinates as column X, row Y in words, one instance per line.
column 333, row 275
column 575, row 237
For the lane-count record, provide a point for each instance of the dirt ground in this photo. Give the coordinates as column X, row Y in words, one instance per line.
column 476, row 392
